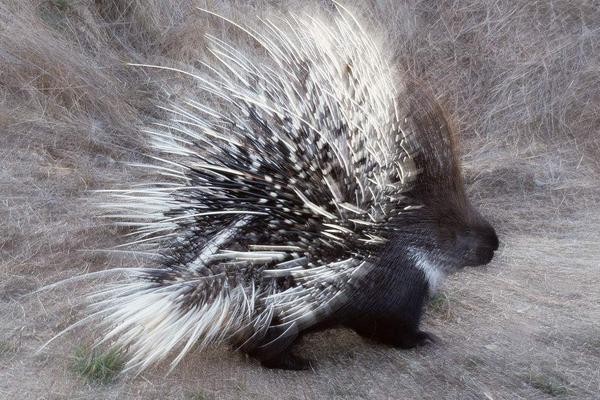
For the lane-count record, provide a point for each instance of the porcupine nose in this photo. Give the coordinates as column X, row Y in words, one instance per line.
column 488, row 244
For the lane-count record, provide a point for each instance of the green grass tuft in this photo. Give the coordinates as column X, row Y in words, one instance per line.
column 201, row 395
column 438, row 301
column 550, row 385
column 6, row 347
column 61, row 4
column 439, row 304
column 473, row 363
column 99, row 368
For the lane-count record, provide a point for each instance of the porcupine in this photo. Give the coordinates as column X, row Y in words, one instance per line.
column 318, row 187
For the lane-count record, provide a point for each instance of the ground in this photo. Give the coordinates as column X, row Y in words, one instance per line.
column 521, row 81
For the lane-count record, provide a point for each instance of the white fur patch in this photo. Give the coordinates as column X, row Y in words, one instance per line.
column 433, row 274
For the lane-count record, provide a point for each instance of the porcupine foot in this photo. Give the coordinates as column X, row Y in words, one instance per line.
column 393, row 333
column 415, row 339
column 288, row 361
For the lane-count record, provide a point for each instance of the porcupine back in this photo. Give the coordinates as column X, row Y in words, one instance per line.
column 275, row 193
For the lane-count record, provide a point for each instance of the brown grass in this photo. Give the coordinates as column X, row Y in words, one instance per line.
column 522, row 81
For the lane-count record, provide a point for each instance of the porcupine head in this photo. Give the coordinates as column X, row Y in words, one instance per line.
column 303, row 175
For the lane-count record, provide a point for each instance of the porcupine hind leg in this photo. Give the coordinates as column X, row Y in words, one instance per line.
column 286, row 360
column 275, row 350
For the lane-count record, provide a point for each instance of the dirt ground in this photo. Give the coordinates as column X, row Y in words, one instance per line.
column 521, row 79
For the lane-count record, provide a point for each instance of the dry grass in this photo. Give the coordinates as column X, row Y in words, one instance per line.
column 522, row 80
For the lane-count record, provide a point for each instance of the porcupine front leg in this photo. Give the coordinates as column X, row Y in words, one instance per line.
column 393, row 332
column 399, row 330
column 390, row 311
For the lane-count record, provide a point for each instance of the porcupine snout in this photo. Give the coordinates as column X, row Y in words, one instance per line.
column 479, row 243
